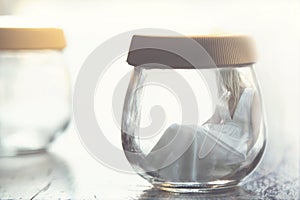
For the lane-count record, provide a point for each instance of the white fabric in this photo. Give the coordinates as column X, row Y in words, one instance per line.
column 205, row 152
column 234, row 132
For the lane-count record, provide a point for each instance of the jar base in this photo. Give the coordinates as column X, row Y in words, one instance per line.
column 21, row 152
column 196, row 187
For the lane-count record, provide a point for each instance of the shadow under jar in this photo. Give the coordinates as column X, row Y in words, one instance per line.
column 193, row 115
column 34, row 89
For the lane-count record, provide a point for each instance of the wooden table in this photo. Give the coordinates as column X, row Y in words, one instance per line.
column 67, row 171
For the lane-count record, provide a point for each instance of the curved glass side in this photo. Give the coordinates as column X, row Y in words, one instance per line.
column 191, row 129
column 34, row 100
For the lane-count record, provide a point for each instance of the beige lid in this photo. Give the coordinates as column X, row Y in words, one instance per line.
column 177, row 52
column 32, row 38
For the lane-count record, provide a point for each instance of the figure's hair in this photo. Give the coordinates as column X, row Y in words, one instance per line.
column 231, row 81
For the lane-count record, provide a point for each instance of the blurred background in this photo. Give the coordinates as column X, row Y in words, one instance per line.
column 273, row 24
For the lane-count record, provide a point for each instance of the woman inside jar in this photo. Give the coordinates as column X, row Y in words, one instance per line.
column 218, row 147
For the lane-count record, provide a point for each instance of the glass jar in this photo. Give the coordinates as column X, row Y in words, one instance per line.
column 34, row 89
column 193, row 115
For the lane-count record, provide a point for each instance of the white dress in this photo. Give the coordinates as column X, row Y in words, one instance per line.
column 207, row 152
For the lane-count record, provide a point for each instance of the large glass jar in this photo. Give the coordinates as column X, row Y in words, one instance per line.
column 34, row 89
column 193, row 115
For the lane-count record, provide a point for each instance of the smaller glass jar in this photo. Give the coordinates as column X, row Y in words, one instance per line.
column 34, row 89
column 192, row 118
